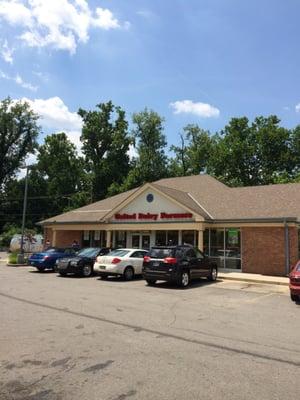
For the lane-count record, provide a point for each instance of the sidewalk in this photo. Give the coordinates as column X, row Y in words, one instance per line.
column 253, row 278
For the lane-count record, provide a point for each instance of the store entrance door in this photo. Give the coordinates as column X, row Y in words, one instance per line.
column 140, row 241
column 146, row 242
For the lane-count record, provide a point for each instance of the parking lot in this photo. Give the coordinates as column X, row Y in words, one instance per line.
column 85, row 338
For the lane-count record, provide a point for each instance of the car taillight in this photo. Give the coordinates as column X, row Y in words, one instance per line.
column 46, row 257
column 147, row 259
column 295, row 279
column 170, row 260
column 98, row 259
column 116, row 260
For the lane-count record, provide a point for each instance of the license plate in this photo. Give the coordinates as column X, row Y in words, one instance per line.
column 156, row 264
column 102, row 267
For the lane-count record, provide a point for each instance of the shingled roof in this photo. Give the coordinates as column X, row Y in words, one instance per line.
column 206, row 196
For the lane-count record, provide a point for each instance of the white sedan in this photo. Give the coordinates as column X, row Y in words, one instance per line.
column 124, row 262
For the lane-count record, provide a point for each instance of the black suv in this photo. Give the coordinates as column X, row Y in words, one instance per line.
column 82, row 263
column 179, row 264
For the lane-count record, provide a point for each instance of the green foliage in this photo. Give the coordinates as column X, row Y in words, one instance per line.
column 12, row 258
column 61, row 169
column 194, row 154
column 151, row 163
column 18, row 134
column 10, row 230
column 252, row 154
column 105, row 144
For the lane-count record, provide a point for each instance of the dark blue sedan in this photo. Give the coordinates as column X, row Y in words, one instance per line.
column 47, row 259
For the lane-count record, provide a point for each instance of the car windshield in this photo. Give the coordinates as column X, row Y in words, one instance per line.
column 119, row 253
column 161, row 252
column 298, row 268
column 90, row 252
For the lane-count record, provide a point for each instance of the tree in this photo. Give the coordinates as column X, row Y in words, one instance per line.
column 194, row 154
column 18, row 134
column 62, row 170
column 252, row 154
column 105, row 144
column 151, row 162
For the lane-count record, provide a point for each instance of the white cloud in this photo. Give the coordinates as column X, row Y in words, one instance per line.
column 7, row 52
column 56, row 116
column 297, row 107
column 19, row 81
column 203, row 110
column 59, row 24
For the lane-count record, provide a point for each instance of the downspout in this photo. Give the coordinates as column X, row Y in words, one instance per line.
column 287, row 247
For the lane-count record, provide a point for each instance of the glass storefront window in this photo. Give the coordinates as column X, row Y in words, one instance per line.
column 120, row 239
column 224, row 246
column 217, row 242
column 161, row 238
column 188, row 237
column 172, row 237
column 86, row 239
column 233, row 248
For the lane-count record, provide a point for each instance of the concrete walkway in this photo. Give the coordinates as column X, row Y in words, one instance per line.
column 254, row 278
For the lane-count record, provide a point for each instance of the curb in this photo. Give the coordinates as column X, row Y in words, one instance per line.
column 17, row 265
column 254, row 280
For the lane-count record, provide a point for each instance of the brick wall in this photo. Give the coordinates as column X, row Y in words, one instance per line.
column 66, row 238
column 48, row 235
column 263, row 249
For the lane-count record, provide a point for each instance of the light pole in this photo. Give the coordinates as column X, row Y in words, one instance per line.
column 21, row 255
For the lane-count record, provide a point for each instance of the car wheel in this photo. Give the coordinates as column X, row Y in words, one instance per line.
column 40, row 269
column 151, row 282
column 87, row 270
column 103, row 277
column 213, row 274
column 184, row 279
column 294, row 297
column 128, row 274
column 62, row 273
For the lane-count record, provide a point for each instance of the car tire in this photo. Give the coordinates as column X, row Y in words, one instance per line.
column 213, row 275
column 184, row 279
column 294, row 297
column 87, row 270
column 62, row 273
column 103, row 277
column 128, row 274
column 151, row 282
column 40, row 269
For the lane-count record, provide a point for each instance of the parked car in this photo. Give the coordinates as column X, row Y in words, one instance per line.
column 121, row 262
column 81, row 263
column 47, row 258
column 179, row 264
column 295, row 282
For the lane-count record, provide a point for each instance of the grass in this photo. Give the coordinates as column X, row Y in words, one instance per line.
column 13, row 258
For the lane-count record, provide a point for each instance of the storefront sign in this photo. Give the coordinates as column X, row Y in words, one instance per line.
column 233, row 237
column 152, row 217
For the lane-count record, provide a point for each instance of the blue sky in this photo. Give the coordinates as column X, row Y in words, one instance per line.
column 211, row 59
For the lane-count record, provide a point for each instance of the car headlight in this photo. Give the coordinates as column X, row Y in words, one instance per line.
column 73, row 263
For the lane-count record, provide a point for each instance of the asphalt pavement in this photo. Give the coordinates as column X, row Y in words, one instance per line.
column 86, row 338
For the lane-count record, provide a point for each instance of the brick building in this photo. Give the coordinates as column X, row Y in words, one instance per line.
column 251, row 229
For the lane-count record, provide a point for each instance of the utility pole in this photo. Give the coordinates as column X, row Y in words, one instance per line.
column 21, row 255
